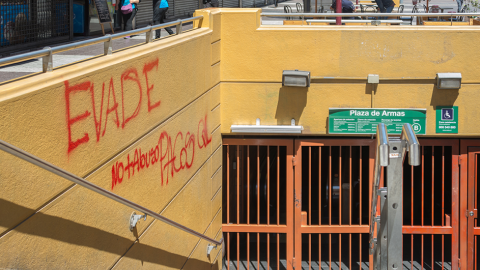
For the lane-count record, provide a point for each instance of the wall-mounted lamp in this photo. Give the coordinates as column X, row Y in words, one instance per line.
column 449, row 80
column 267, row 129
column 296, row 78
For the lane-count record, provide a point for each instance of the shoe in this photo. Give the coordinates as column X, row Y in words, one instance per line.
column 127, row 37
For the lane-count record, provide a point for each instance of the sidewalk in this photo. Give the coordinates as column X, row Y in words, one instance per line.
column 35, row 65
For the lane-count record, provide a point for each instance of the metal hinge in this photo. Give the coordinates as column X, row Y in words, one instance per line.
column 293, row 260
column 294, row 161
column 459, row 264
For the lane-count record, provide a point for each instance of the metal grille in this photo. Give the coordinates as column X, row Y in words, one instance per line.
column 334, row 178
column 33, row 22
column 258, row 221
column 430, row 207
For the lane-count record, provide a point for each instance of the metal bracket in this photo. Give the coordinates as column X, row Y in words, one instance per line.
column 47, row 61
column 107, row 46
column 134, row 218
column 150, row 35
column 210, row 248
column 376, row 22
column 179, row 28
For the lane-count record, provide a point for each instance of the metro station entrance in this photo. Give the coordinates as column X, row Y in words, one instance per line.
column 305, row 204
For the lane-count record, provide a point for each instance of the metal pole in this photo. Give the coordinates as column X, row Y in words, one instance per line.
column 338, row 10
column 393, row 206
column 86, row 184
column 70, row 15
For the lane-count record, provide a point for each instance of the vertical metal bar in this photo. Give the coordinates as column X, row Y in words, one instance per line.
column 330, row 250
column 359, row 245
column 238, row 184
column 340, row 187
column 319, row 185
column 278, row 186
column 278, row 251
column 238, row 249
column 350, row 249
column 319, row 206
column 423, row 192
column 268, row 251
column 70, row 16
column 411, row 214
column 258, row 184
column 248, row 185
column 433, row 198
column 340, row 249
column 258, row 250
column 443, row 205
column 360, row 189
column 268, row 187
column 319, row 251
column 228, row 186
column 258, row 205
column 309, row 249
column 330, row 187
column 248, row 250
column 228, row 250
column 350, row 202
column 310, row 186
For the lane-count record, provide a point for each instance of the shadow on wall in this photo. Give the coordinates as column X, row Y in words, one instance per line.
column 92, row 237
column 443, row 97
column 291, row 103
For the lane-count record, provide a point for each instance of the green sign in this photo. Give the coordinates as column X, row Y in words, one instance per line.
column 365, row 121
column 447, row 119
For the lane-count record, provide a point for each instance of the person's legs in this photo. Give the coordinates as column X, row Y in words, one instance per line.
column 163, row 11
column 459, row 4
column 389, row 10
column 157, row 17
column 127, row 20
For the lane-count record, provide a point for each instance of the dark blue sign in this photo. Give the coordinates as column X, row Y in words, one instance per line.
column 447, row 114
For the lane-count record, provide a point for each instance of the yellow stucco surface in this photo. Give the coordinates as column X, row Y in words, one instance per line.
column 143, row 123
column 406, row 58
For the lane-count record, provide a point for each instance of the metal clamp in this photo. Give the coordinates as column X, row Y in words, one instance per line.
column 376, row 22
column 47, row 61
column 210, row 248
column 134, row 218
column 107, row 46
column 178, row 28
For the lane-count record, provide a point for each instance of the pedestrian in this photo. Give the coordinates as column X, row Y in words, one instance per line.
column 459, row 4
column 210, row 3
column 160, row 8
column 385, row 6
column 347, row 7
column 128, row 9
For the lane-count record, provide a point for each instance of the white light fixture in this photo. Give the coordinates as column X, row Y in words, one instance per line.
column 296, row 78
column 267, row 129
column 449, row 80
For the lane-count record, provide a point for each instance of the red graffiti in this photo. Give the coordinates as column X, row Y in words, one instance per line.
column 148, row 67
column 70, row 121
column 100, row 117
column 174, row 154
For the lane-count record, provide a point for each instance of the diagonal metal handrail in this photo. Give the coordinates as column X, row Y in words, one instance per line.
column 86, row 184
column 381, row 160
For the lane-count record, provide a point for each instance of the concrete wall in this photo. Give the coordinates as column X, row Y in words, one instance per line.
column 143, row 123
column 406, row 58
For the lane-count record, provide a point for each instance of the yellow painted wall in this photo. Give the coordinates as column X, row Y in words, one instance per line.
column 406, row 58
column 149, row 115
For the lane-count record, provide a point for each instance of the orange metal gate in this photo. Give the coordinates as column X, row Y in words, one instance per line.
column 258, row 215
column 332, row 202
column 305, row 204
column 469, row 243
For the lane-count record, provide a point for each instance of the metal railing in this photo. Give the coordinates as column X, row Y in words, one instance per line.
column 362, row 15
column 86, row 184
column 48, row 52
column 387, row 246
